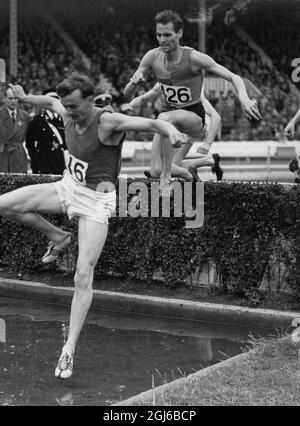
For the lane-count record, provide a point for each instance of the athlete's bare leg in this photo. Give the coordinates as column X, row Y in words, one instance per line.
column 23, row 204
column 156, row 160
column 177, row 163
column 91, row 239
column 187, row 122
column 208, row 160
column 163, row 153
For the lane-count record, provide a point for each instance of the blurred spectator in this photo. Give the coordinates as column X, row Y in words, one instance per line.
column 13, row 127
column 264, row 131
column 227, row 108
column 102, row 99
column 213, row 98
column 45, row 141
column 297, row 132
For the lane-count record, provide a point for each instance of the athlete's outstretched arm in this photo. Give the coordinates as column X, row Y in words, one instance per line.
column 151, row 95
column 248, row 105
column 215, row 121
column 139, row 75
column 120, row 122
column 290, row 128
column 42, row 101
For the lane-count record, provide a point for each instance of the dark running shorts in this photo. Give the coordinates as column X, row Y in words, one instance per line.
column 196, row 108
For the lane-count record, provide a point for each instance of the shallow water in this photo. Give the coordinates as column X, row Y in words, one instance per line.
column 118, row 355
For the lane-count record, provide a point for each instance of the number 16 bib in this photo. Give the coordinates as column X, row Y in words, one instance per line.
column 77, row 169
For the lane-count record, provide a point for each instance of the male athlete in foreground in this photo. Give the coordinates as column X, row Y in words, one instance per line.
column 94, row 140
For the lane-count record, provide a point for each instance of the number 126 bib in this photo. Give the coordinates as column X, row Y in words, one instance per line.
column 178, row 95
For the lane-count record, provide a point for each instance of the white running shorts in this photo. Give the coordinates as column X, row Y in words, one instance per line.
column 79, row 201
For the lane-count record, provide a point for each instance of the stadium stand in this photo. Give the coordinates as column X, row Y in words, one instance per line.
column 114, row 35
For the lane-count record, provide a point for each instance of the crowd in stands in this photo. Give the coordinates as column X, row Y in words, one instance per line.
column 115, row 36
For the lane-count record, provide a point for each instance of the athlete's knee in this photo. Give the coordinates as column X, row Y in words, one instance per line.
column 83, row 278
column 6, row 208
column 166, row 116
column 156, row 171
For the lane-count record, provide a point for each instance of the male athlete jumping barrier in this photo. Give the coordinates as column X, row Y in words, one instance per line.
column 86, row 192
column 179, row 71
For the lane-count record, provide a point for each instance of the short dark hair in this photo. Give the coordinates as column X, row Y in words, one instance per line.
column 50, row 92
column 167, row 16
column 75, row 81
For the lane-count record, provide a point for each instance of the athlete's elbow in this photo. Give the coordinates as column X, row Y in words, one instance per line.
column 236, row 79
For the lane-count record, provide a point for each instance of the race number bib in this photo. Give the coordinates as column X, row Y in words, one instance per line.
column 77, row 169
column 178, row 95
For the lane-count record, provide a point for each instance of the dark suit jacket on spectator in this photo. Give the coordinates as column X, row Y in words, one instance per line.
column 13, row 157
column 45, row 148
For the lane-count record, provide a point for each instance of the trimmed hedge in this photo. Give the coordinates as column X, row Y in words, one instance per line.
column 247, row 227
